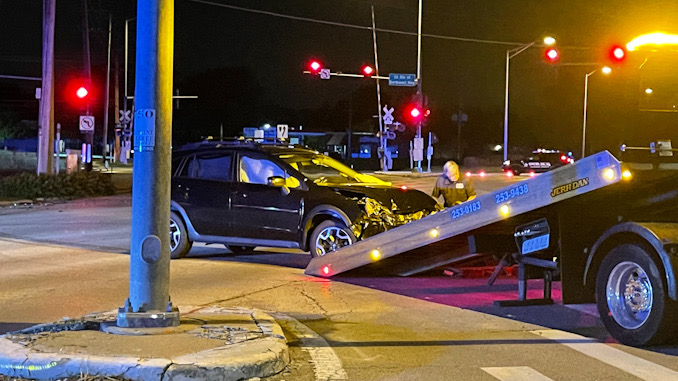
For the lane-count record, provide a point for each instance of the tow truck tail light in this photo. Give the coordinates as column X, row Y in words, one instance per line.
column 509, row 174
column 564, row 158
column 482, row 173
column 326, row 270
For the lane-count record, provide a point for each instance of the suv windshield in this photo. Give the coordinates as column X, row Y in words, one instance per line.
column 326, row 170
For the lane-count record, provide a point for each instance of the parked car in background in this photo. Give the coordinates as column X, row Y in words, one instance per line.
column 244, row 194
column 539, row 161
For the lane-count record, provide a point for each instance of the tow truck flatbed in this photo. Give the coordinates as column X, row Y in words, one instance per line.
column 442, row 238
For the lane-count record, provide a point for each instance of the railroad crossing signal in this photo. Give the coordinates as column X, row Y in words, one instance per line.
column 125, row 116
column 388, row 115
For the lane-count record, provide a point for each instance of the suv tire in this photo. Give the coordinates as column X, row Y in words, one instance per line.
column 328, row 236
column 179, row 243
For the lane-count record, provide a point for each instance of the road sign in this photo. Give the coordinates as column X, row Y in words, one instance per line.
column 86, row 123
column 325, row 74
column 270, row 133
column 388, row 115
column 125, row 116
column 282, row 131
column 395, row 79
column 248, row 132
column 390, row 135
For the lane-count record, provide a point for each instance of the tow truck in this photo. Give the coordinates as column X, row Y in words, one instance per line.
column 607, row 229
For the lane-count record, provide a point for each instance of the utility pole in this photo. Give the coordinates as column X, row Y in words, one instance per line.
column 87, row 65
column 420, row 95
column 149, row 303
column 46, row 125
column 382, row 131
column 108, row 91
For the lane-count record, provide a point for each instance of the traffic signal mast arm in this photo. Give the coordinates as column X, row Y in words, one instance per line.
column 340, row 74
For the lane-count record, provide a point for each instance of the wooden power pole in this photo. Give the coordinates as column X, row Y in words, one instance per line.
column 46, row 122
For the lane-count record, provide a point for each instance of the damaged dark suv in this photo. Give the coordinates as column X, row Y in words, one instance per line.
column 244, row 194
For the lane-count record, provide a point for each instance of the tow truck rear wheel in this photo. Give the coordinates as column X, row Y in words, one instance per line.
column 631, row 298
column 328, row 236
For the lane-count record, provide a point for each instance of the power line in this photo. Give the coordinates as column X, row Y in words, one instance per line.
column 354, row 26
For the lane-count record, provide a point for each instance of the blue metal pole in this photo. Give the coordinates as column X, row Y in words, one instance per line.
column 149, row 303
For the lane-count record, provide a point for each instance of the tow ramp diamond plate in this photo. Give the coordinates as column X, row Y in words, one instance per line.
column 586, row 175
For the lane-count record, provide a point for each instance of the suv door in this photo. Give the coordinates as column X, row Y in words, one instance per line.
column 203, row 188
column 262, row 211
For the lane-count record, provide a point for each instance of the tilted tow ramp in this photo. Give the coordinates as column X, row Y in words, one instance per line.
column 444, row 237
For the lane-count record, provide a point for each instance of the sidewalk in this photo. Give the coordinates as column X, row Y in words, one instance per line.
column 211, row 343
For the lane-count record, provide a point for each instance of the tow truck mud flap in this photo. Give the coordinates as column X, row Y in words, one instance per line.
column 432, row 237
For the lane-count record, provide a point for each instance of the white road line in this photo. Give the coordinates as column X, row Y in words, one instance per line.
column 516, row 373
column 636, row 366
column 326, row 364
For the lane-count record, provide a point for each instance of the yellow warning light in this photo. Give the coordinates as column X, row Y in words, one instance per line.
column 626, row 174
column 504, row 210
column 434, row 233
column 609, row 174
column 375, row 254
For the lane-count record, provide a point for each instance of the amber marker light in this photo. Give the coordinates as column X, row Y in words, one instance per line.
column 375, row 254
column 504, row 210
column 434, row 233
column 609, row 174
column 626, row 174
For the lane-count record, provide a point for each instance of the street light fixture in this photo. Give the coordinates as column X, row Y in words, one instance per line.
column 649, row 91
column 605, row 70
column 510, row 53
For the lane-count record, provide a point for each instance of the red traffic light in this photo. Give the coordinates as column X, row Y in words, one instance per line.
column 367, row 70
column 415, row 112
column 552, row 55
column 617, row 54
column 81, row 92
column 314, row 66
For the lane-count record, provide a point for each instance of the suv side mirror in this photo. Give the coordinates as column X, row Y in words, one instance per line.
column 279, row 182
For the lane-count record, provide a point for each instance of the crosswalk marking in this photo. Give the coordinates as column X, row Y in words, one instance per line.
column 636, row 366
column 516, row 373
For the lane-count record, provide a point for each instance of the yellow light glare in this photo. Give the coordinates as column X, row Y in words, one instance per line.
column 548, row 41
column 626, row 174
column 608, row 174
column 657, row 38
column 375, row 254
column 649, row 91
column 504, row 210
column 606, row 70
column 434, row 232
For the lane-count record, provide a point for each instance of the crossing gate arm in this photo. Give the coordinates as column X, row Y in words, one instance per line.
column 586, row 175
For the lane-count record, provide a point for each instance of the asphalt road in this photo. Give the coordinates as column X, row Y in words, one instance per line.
column 429, row 327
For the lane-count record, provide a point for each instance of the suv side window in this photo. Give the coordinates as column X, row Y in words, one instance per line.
column 209, row 167
column 257, row 171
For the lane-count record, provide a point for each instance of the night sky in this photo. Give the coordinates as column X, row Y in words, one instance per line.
column 247, row 68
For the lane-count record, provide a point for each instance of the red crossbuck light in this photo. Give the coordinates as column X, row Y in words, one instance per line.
column 368, row 70
column 552, row 55
column 315, row 66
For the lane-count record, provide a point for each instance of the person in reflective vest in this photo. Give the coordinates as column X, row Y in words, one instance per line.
column 454, row 190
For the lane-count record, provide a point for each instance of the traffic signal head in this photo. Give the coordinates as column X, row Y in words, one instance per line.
column 81, row 92
column 367, row 70
column 552, row 55
column 617, row 54
column 314, row 66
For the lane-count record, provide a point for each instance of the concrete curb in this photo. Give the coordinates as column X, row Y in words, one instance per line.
column 260, row 357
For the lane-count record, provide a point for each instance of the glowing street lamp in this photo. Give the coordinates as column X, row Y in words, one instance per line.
column 649, row 91
column 605, row 70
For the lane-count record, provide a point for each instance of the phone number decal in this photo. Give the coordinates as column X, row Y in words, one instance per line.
column 511, row 193
column 466, row 208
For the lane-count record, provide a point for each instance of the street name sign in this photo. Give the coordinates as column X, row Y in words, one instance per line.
column 397, row 79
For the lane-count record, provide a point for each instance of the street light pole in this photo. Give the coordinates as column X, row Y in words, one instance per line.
column 586, row 102
column 510, row 53
column 606, row 70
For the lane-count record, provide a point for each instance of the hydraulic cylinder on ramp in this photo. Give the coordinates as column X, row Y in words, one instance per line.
column 586, row 175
